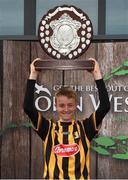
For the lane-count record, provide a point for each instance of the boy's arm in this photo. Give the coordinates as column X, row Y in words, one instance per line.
column 41, row 125
column 91, row 124
column 104, row 105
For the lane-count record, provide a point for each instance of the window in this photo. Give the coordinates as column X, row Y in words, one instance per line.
column 116, row 16
column 11, row 17
column 19, row 19
column 90, row 7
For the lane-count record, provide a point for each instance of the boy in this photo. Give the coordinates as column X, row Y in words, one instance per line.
column 67, row 141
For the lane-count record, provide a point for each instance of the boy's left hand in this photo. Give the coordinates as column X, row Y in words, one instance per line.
column 96, row 72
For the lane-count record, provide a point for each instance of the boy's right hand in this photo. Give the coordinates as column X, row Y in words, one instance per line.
column 33, row 72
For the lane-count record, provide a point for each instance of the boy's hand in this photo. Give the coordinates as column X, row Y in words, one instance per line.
column 96, row 72
column 33, row 72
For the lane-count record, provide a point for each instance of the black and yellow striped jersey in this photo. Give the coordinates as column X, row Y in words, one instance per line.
column 67, row 148
column 66, row 144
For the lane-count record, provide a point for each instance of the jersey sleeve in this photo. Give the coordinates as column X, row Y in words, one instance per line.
column 92, row 124
column 40, row 124
column 41, row 127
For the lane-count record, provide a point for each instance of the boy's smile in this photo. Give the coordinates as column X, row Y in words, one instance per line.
column 65, row 107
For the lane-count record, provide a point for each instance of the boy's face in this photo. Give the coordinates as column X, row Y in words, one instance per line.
column 65, row 107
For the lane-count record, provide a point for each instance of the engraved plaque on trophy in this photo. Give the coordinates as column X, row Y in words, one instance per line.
column 65, row 33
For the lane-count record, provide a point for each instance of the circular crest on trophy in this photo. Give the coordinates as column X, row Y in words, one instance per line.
column 65, row 32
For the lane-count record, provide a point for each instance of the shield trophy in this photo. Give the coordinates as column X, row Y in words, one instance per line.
column 65, row 33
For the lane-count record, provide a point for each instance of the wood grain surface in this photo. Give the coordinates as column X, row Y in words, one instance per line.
column 21, row 150
column 111, row 55
column 15, row 143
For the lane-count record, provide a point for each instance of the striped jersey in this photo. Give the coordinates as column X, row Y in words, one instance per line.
column 67, row 148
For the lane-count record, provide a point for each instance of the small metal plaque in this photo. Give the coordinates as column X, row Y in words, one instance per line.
column 65, row 32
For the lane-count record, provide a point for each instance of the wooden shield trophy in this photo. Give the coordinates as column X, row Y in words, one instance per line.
column 65, row 33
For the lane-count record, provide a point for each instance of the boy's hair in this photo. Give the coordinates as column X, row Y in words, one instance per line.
column 66, row 91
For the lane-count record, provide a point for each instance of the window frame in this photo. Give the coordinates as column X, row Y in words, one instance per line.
column 30, row 25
